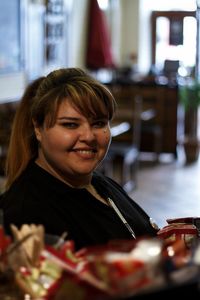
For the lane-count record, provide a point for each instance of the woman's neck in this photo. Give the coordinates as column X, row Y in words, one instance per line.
column 82, row 182
column 78, row 184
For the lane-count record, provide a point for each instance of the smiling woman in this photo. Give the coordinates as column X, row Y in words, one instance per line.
column 75, row 144
column 61, row 133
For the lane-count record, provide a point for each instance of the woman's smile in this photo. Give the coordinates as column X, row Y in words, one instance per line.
column 85, row 153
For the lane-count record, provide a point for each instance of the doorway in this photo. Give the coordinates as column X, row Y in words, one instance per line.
column 174, row 41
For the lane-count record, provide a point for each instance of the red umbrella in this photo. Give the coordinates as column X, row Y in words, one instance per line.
column 99, row 54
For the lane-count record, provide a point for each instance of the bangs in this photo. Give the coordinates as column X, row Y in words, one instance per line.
column 96, row 102
column 93, row 102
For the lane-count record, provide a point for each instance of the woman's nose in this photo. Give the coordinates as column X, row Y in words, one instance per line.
column 87, row 133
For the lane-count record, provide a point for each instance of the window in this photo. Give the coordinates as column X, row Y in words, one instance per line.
column 10, row 36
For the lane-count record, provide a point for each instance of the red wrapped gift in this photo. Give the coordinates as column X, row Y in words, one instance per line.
column 185, row 228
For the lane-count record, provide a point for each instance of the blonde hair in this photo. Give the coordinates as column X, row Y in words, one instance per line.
column 40, row 103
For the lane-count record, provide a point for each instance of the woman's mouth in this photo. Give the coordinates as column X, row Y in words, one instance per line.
column 85, row 153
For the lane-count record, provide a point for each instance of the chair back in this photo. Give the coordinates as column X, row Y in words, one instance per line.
column 122, row 159
column 129, row 108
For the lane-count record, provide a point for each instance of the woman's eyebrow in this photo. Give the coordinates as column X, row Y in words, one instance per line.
column 68, row 118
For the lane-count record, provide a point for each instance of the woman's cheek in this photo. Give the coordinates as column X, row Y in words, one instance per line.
column 108, row 138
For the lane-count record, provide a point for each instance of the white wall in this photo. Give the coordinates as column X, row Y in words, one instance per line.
column 129, row 30
column 78, row 33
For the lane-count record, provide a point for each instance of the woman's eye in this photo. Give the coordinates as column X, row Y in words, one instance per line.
column 69, row 125
column 100, row 124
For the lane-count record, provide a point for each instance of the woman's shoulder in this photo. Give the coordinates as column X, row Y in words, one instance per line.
column 21, row 188
column 15, row 194
column 109, row 184
column 112, row 189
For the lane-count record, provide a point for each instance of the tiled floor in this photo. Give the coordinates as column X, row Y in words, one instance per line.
column 169, row 189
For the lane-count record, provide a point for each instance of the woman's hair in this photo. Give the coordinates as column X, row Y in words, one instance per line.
column 40, row 103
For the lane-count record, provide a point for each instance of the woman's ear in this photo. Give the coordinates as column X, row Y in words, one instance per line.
column 37, row 130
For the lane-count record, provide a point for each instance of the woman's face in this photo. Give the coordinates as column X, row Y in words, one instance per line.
column 74, row 146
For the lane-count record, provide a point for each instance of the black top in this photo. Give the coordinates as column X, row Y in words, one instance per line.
column 37, row 197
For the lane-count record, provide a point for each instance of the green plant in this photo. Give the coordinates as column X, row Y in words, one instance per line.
column 189, row 94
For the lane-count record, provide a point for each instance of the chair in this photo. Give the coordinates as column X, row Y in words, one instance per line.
column 170, row 68
column 123, row 155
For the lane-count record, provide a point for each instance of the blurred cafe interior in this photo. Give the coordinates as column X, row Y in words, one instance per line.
column 147, row 53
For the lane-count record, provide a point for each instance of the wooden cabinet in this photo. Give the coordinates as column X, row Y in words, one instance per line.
column 159, row 115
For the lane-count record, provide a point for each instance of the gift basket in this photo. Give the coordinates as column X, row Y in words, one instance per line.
column 122, row 269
